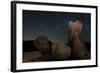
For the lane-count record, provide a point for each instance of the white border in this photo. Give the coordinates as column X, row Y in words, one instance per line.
column 37, row 65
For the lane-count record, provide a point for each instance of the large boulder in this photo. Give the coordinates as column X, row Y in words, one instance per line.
column 61, row 51
column 42, row 44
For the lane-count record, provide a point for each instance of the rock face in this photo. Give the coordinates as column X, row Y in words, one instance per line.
column 74, row 26
column 78, row 46
column 44, row 47
column 61, row 50
column 42, row 44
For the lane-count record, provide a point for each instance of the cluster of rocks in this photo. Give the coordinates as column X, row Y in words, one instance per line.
column 59, row 50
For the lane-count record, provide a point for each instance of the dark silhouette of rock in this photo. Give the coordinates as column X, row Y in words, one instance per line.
column 28, row 46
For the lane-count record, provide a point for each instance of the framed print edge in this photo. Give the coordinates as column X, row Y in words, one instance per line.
column 96, row 36
column 13, row 36
column 43, row 69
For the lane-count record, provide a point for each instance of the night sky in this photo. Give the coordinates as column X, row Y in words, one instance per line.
column 54, row 25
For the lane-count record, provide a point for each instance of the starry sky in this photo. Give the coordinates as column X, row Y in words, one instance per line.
column 54, row 25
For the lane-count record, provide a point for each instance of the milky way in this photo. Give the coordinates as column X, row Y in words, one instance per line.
column 54, row 25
